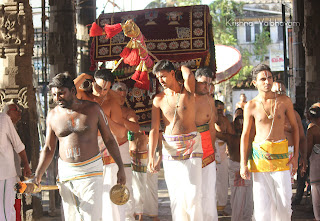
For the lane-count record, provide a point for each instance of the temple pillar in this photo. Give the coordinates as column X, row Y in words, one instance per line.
column 62, row 37
column 16, row 81
column 86, row 14
column 311, row 36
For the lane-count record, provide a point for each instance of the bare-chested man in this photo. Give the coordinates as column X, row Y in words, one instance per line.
column 98, row 89
column 75, row 123
column 130, row 121
column 222, row 125
column 279, row 88
column 182, row 151
column 241, row 190
column 242, row 102
column 205, row 120
column 269, row 161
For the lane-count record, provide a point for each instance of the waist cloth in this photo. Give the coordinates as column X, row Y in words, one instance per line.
column 182, row 147
column 124, row 152
column 75, row 171
column 207, row 148
column 269, row 156
column 139, row 160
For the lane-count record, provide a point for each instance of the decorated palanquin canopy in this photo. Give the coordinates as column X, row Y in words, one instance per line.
column 182, row 35
column 178, row 34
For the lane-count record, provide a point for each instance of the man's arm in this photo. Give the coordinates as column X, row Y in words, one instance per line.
column 47, row 152
column 26, row 168
column 116, row 123
column 244, row 142
column 131, row 121
column 111, row 144
column 189, row 80
column 154, row 135
column 157, row 166
column 212, row 122
column 302, row 145
column 80, row 79
column 230, row 129
column 295, row 134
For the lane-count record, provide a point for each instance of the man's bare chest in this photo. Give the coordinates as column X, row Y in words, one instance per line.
column 71, row 123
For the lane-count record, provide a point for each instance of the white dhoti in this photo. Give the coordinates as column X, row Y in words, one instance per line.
column 209, row 201
column 80, row 186
column 150, row 208
column 7, row 198
column 182, row 163
column 241, row 194
column 272, row 190
column 112, row 212
column 139, row 162
column 222, row 174
column 272, row 194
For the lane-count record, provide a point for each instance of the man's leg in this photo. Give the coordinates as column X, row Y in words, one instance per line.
column 110, row 210
column 193, row 189
column 129, row 206
column 283, row 191
column 7, row 198
column 151, row 198
column 209, row 201
column 222, row 184
column 262, row 196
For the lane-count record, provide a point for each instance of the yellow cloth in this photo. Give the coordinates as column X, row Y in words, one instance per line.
column 269, row 156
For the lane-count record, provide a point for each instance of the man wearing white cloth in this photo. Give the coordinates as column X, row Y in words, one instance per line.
column 222, row 125
column 241, row 190
column 268, row 160
column 181, row 150
column 75, row 124
column 205, row 120
column 9, row 143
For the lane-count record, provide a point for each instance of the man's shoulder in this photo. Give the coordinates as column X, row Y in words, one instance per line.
column 4, row 116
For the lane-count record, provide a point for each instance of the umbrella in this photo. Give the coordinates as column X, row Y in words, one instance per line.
column 228, row 61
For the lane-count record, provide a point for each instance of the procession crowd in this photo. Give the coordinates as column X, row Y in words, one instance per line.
column 202, row 152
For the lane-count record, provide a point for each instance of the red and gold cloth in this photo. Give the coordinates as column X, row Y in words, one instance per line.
column 208, row 150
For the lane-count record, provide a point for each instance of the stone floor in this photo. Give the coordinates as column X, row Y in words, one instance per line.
column 302, row 212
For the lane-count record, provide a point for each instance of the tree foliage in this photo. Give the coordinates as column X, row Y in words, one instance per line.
column 223, row 12
column 262, row 41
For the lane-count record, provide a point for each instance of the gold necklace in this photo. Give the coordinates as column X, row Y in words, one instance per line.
column 177, row 103
column 269, row 116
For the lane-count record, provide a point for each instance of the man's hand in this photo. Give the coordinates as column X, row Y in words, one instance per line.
column 37, row 179
column 294, row 165
column 121, row 177
column 244, row 172
column 157, row 166
column 27, row 171
column 303, row 164
column 152, row 166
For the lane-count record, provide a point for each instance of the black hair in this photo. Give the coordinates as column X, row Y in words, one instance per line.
column 63, row 79
column 314, row 112
column 239, row 108
column 257, row 69
column 239, row 117
column 218, row 102
column 163, row 65
column 104, row 74
column 205, row 71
